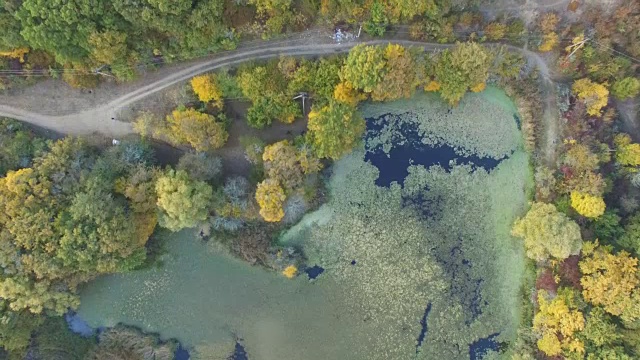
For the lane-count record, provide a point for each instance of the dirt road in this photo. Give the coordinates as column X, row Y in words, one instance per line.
column 103, row 118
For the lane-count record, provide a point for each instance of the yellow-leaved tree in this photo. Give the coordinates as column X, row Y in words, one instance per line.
column 557, row 322
column 548, row 232
column 611, row 281
column 587, row 205
column 627, row 153
column 200, row 130
column 345, row 93
column 595, row 96
column 270, row 196
column 207, row 89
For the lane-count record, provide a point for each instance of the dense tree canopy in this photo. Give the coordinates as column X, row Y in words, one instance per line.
column 595, row 96
column 463, row 68
column 207, row 89
column 611, row 281
column 200, row 130
column 183, row 202
column 559, row 321
column 548, row 232
column 334, row 130
column 61, row 224
column 270, row 196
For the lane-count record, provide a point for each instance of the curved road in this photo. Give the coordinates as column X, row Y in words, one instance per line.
column 100, row 118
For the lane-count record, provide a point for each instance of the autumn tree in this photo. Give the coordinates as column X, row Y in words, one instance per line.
column 183, row 202
column 611, row 281
column 548, row 232
column 280, row 163
column 587, row 205
column 463, row 68
column 558, row 322
column 364, row 68
column 399, row 79
column 495, row 31
column 626, row 88
column 595, row 96
column 627, row 153
column 270, row 196
column 207, row 89
column 266, row 87
column 202, row 131
column 345, row 93
column 548, row 24
column 63, row 222
column 334, row 130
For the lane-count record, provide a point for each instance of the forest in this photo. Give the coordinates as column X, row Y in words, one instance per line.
column 73, row 208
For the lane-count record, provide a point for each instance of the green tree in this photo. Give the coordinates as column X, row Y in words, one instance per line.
column 626, row 88
column 183, row 202
column 364, row 68
column 458, row 70
column 378, row 21
column 334, row 130
column 630, row 240
column 16, row 329
column 548, row 232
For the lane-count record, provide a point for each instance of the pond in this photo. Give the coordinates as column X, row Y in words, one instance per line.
column 407, row 260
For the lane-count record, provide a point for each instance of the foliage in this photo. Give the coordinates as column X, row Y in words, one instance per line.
column 600, row 330
column 607, row 227
column 182, row 201
column 200, row 166
column 630, row 239
column 334, row 130
column 364, row 68
column 62, row 224
column 611, row 281
column 200, row 130
column 627, row 153
column 587, row 205
column 345, row 93
column 266, row 87
column 558, row 321
column 16, row 329
column 378, row 21
column 290, row 271
column 281, row 165
column 123, row 343
column 495, row 31
column 626, row 88
column 595, row 96
column 270, row 196
column 53, row 340
column 148, row 124
column 464, row 67
column 399, row 80
column 207, row 89
column 19, row 146
column 549, row 42
column 547, row 232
